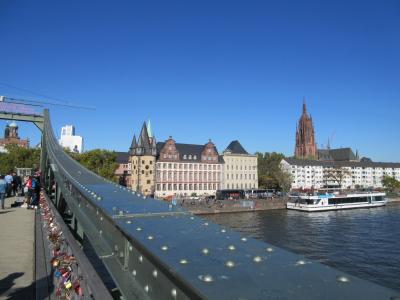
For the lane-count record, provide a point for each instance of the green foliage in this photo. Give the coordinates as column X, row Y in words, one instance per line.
column 18, row 157
column 101, row 162
column 390, row 183
column 270, row 174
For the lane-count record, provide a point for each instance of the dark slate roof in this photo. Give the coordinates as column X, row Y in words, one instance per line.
column 363, row 164
column 340, row 154
column 188, row 149
column 122, row 157
column 236, row 148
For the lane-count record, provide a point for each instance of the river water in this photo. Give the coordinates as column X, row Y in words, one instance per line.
column 361, row 242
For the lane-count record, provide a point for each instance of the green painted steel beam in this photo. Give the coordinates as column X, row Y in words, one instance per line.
column 35, row 119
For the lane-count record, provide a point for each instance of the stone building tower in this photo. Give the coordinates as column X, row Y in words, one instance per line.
column 142, row 156
column 306, row 146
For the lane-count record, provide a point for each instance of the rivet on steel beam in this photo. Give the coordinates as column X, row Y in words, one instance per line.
column 146, row 288
column 164, row 248
column 257, row 259
column 300, row 262
column 141, row 258
column 139, row 229
column 343, row 279
column 101, row 231
column 206, row 278
column 150, row 237
column 244, row 239
column 101, row 218
column 174, row 293
column 134, row 272
column 269, row 249
column 130, row 248
column 183, row 262
column 205, row 251
column 155, row 273
column 231, row 247
column 230, row 264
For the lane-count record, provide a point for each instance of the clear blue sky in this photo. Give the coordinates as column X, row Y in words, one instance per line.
column 223, row 70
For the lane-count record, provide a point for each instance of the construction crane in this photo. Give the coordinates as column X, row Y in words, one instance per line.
column 330, row 140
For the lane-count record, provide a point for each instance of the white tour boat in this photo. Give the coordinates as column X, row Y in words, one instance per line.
column 337, row 201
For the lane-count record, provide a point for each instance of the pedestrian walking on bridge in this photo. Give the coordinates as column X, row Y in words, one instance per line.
column 3, row 189
column 9, row 180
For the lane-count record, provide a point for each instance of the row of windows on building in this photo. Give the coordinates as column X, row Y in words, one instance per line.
column 249, row 176
column 164, row 175
column 190, row 157
column 353, row 168
column 228, row 167
column 352, row 172
column 240, row 186
column 187, row 186
column 143, row 172
column 187, row 166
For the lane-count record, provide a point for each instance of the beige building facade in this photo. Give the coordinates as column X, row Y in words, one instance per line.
column 240, row 169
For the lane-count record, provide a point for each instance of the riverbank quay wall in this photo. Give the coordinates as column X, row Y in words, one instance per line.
column 234, row 206
column 155, row 251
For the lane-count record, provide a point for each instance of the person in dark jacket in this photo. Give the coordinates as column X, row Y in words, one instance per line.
column 15, row 183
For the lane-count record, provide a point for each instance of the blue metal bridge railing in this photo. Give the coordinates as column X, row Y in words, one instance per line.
column 154, row 251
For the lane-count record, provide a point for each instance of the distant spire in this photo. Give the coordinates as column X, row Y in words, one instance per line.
column 143, row 140
column 304, row 106
column 133, row 144
column 149, row 131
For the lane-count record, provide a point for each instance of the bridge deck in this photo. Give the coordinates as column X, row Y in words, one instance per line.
column 17, row 239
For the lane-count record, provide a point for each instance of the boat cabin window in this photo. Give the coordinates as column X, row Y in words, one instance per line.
column 309, row 201
column 347, row 200
column 377, row 198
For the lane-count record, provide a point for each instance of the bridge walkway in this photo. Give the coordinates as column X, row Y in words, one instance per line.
column 17, row 241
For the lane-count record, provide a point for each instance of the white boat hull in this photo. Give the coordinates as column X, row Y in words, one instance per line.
column 311, row 207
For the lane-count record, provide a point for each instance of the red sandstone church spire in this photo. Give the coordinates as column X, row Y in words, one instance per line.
column 305, row 139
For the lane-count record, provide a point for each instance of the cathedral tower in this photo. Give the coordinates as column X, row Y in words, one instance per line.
column 306, row 146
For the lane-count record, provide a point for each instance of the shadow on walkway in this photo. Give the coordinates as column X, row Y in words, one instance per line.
column 8, row 282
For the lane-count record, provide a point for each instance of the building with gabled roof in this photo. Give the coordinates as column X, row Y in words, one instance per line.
column 240, row 169
column 187, row 169
column 169, row 169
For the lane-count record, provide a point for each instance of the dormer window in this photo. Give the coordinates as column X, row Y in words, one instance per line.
column 209, row 150
column 184, row 157
column 194, row 157
column 190, row 156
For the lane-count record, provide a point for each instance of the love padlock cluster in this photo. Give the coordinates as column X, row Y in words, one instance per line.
column 63, row 263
